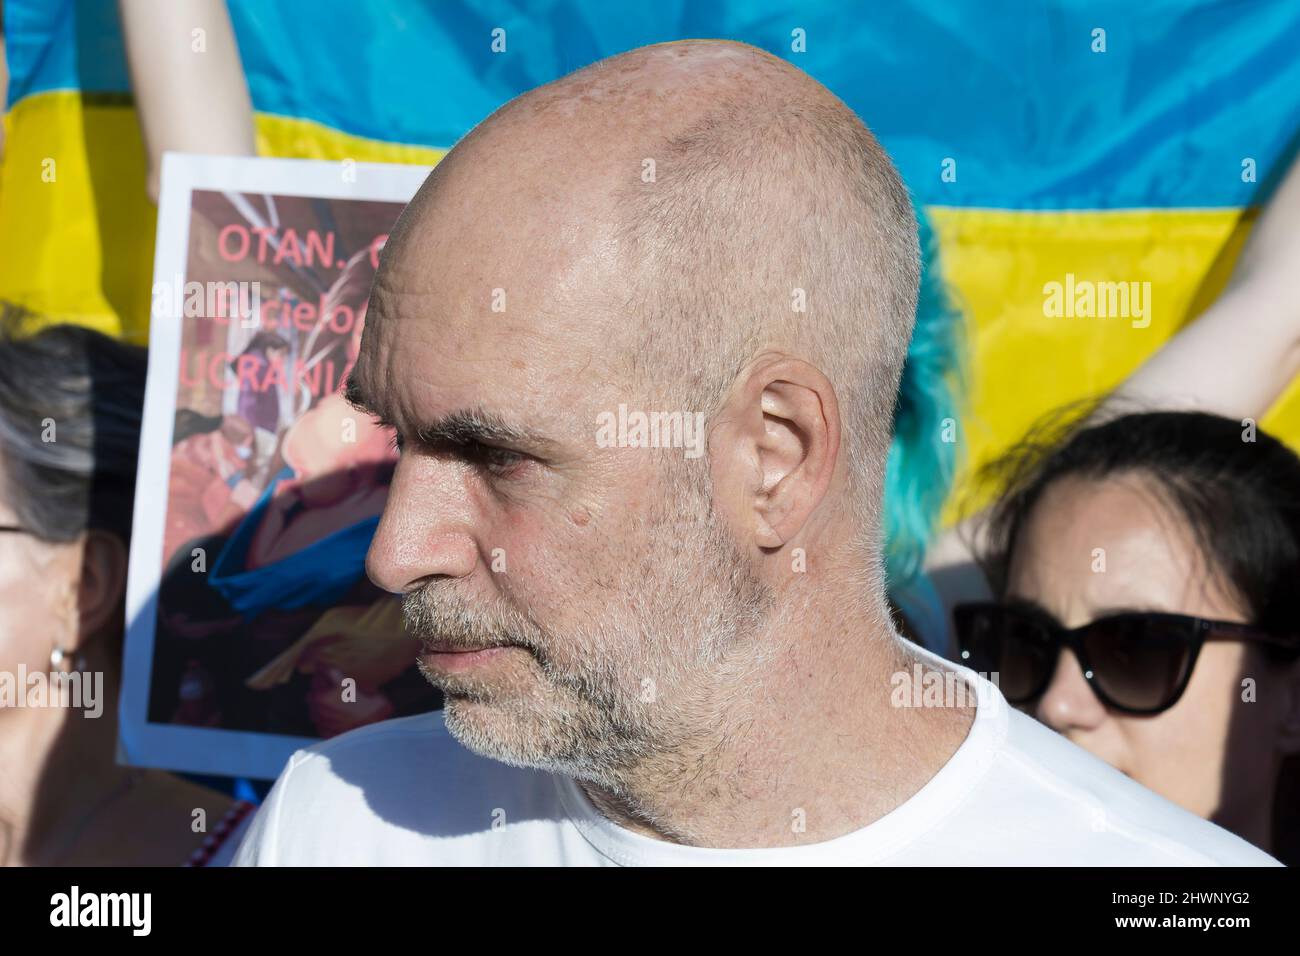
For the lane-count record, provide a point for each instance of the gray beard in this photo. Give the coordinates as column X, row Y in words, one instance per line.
column 604, row 719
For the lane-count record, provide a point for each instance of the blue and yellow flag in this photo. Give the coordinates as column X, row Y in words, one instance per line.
column 1102, row 141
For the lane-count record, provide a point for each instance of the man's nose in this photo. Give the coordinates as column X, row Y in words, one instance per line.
column 425, row 530
column 1069, row 702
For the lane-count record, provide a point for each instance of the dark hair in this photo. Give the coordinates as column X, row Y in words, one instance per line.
column 1237, row 489
column 70, row 406
column 265, row 340
column 189, row 423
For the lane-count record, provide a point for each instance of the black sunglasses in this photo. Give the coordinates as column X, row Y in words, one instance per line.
column 1137, row 663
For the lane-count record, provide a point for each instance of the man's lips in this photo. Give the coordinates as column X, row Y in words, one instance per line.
column 441, row 656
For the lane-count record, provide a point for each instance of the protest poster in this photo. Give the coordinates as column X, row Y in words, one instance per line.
column 252, row 629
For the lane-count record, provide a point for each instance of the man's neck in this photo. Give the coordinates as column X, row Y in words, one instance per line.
column 812, row 749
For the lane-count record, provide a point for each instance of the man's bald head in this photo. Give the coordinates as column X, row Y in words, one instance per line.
column 695, row 229
column 738, row 205
column 774, row 221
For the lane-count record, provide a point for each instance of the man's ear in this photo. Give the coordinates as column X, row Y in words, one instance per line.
column 102, row 582
column 776, row 449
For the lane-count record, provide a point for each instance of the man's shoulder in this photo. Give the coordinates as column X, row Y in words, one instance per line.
column 396, row 792
column 415, row 757
column 419, row 733
column 1080, row 803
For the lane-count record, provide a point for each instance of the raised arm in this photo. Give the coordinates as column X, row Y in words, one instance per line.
column 1236, row 359
column 1240, row 355
column 190, row 91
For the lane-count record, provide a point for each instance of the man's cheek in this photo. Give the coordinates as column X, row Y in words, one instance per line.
column 514, row 545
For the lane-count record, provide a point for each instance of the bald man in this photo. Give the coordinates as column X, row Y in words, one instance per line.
column 651, row 655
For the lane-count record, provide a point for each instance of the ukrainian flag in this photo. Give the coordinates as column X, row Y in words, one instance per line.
column 1103, row 140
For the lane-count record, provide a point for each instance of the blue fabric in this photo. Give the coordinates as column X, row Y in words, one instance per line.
column 240, row 788
column 320, row 573
column 1010, row 90
column 64, row 45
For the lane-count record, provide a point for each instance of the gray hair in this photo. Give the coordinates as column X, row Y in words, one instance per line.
column 759, row 198
column 70, row 407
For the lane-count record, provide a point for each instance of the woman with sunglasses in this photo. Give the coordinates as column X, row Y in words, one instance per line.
column 1146, row 574
column 1236, row 355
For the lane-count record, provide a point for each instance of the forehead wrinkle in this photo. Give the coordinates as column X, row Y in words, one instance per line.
column 544, row 368
column 358, row 391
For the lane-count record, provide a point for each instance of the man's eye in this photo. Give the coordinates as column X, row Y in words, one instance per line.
column 498, row 460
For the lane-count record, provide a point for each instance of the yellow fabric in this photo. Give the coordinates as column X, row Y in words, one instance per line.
column 79, row 248
column 1023, row 363
column 76, row 227
column 304, row 139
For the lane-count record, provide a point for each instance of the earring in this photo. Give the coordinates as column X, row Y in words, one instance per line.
column 58, row 655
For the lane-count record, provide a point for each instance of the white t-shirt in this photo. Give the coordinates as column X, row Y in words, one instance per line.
column 404, row 792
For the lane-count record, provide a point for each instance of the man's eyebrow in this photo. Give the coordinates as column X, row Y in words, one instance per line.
column 476, row 426
column 471, row 426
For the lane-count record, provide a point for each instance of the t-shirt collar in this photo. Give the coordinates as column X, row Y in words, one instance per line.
column 927, row 808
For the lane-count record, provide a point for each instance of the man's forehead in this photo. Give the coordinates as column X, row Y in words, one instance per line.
column 455, row 415
column 463, row 338
column 505, row 274
column 420, row 362
column 535, row 301
column 449, row 422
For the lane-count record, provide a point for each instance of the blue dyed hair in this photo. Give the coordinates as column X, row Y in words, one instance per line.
column 919, row 470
